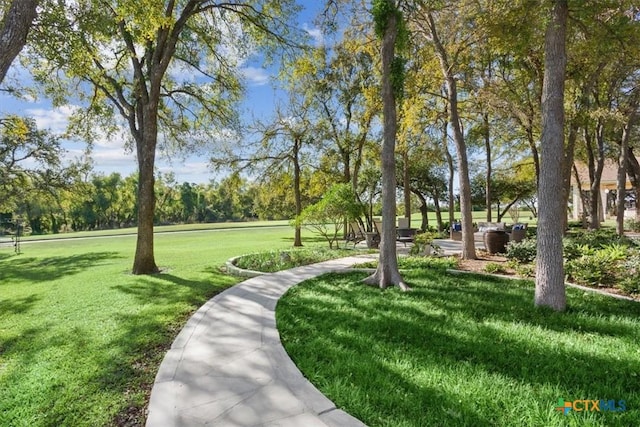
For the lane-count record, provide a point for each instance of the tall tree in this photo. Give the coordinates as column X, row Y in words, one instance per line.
column 449, row 67
column 30, row 159
column 134, row 53
column 550, row 288
column 16, row 23
column 389, row 27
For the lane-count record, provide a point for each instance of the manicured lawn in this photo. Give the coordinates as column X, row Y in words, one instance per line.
column 462, row 351
column 81, row 339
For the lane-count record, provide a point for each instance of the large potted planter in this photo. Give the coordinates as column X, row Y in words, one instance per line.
column 373, row 239
column 496, row 241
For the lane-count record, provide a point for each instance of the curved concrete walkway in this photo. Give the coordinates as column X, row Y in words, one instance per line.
column 227, row 366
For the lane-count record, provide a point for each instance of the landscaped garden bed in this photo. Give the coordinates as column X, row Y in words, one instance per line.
column 272, row 261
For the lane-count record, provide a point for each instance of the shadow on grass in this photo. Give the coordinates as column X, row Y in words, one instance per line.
column 29, row 269
column 421, row 355
column 123, row 367
column 166, row 288
column 18, row 305
column 146, row 336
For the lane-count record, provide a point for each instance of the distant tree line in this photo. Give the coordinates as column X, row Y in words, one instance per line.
column 109, row 201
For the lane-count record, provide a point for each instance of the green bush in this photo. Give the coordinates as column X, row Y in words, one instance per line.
column 615, row 251
column 573, row 250
column 272, row 261
column 494, row 267
column 631, row 274
column 594, row 238
column 422, row 240
column 523, row 252
column 525, row 270
column 600, row 268
column 632, row 224
column 327, row 217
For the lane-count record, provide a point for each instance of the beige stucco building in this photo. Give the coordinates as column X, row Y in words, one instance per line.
column 608, row 186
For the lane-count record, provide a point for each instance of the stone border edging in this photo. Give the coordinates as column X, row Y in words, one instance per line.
column 232, row 269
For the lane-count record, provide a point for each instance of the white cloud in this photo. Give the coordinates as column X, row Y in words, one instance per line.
column 56, row 120
column 315, row 33
column 255, row 76
column 189, row 171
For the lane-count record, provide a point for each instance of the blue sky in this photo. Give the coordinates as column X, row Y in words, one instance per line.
column 109, row 154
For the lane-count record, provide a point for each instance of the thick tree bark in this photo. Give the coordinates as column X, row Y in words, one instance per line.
column 387, row 272
column 144, row 260
column 622, row 177
column 424, row 210
column 596, row 166
column 297, row 241
column 550, row 288
column 406, row 180
column 436, row 206
column 468, row 241
column 566, row 171
column 487, row 148
column 534, row 152
column 451, row 177
column 14, row 31
column 633, row 171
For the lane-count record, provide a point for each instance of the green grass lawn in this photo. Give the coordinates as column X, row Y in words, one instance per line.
column 462, row 351
column 81, row 339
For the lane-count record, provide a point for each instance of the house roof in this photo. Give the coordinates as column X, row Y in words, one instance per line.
column 609, row 177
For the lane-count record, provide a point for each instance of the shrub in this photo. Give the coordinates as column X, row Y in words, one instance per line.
column 422, row 240
column 525, row 270
column 632, row 224
column 601, row 268
column 523, row 252
column 272, row 261
column 573, row 250
column 615, row 251
column 594, row 238
column 339, row 204
column 631, row 274
column 494, row 267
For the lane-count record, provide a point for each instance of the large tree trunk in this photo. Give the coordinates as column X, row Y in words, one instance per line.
column 550, row 288
column 468, row 241
column 144, row 261
column 566, row 171
column 487, row 148
column 297, row 240
column 14, row 31
column 424, row 210
column 622, row 178
column 596, row 166
column 406, row 184
column 436, row 206
column 534, row 151
column 451, row 168
column 633, row 170
column 387, row 272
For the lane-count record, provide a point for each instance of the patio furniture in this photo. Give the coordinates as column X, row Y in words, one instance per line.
column 404, row 233
column 355, row 234
column 518, row 232
column 495, row 241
